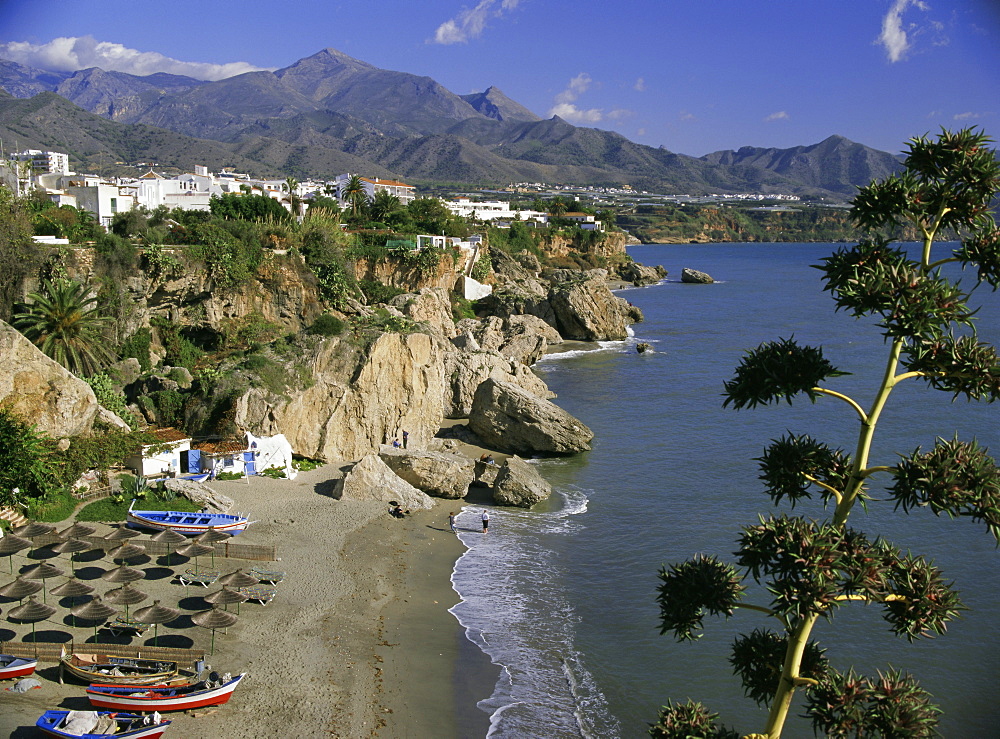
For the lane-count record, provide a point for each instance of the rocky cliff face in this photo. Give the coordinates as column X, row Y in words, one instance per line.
column 41, row 391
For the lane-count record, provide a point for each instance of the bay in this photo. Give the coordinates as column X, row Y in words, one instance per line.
column 563, row 596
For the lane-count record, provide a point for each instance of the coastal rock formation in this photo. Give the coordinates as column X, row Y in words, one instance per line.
column 695, row 277
column 586, row 310
column 640, row 274
column 520, row 337
column 439, row 474
column 486, row 473
column 430, row 306
column 200, row 494
column 466, row 371
column 371, row 479
column 505, row 416
column 519, row 484
column 42, row 391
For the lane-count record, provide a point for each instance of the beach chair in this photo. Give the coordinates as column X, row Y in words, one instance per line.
column 128, row 626
column 263, row 594
column 271, row 576
column 203, row 578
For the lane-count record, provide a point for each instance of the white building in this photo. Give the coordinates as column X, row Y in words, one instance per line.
column 146, row 462
column 405, row 193
column 42, row 162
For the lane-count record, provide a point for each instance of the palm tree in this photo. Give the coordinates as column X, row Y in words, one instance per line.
column 558, row 206
column 291, row 186
column 384, row 205
column 354, row 193
column 63, row 321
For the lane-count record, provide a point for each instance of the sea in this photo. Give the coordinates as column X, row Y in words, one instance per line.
column 561, row 597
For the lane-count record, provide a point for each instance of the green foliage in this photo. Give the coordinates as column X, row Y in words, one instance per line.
column 461, row 308
column 687, row 721
column 66, row 222
column 112, row 399
column 248, row 332
column 132, row 488
column 109, row 509
column 65, row 323
column 230, row 476
column 158, row 262
column 244, row 207
column 809, row 568
column 180, row 350
column 166, row 405
column 230, row 261
column 24, row 461
column 138, row 345
column 56, row 506
column 375, row 292
column 19, row 256
column 98, row 451
column 327, row 325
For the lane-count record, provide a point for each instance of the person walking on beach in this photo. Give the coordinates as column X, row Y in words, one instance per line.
column 451, row 522
column 486, row 521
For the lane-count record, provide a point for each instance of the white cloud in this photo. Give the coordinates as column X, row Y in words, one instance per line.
column 565, row 102
column 968, row 116
column 640, row 85
column 68, row 54
column 470, row 23
column 686, row 116
column 778, row 116
column 620, row 114
column 894, row 36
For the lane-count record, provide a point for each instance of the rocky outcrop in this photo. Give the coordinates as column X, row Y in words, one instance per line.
column 371, row 479
column 439, row 474
column 507, row 417
column 467, row 370
column 200, row 494
column 640, row 274
column 586, row 310
column 521, row 337
column 430, row 306
column 486, row 473
column 519, row 484
column 695, row 277
column 42, row 391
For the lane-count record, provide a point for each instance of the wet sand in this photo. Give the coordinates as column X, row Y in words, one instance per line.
column 357, row 643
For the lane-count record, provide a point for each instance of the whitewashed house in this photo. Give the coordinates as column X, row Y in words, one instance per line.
column 162, row 458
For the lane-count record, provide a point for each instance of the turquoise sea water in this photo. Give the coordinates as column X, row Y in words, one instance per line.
column 562, row 597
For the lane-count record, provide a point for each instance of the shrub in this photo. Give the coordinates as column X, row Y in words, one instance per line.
column 327, row 325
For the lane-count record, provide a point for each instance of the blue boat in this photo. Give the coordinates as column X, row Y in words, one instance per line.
column 191, row 524
column 101, row 725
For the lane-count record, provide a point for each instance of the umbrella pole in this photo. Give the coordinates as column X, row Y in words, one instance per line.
column 213, row 640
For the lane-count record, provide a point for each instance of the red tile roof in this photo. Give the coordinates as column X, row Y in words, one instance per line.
column 168, row 435
column 221, row 447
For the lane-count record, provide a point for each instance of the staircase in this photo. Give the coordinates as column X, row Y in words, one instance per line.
column 15, row 517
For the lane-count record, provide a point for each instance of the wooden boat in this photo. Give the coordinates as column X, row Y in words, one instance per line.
column 162, row 697
column 104, row 668
column 187, row 523
column 101, row 725
column 11, row 666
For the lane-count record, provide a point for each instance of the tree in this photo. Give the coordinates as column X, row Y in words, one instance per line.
column 244, row 207
column 291, row 186
column 384, row 206
column 19, row 256
column 355, row 194
column 64, row 322
column 24, row 460
column 810, row 567
column 558, row 206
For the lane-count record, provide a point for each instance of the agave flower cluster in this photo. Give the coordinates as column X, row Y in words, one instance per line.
column 811, row 568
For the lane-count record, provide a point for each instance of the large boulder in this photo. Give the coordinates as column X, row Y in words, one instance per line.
column 431, row 306
column 695, row 277
column 586, row 310
column 439, row 474
column 519, row 484
column 466, row 371
column 42, row 391
column 200, row 494
column 640, row 274
column 371, row 479
column 521, row 337
column 506, row 416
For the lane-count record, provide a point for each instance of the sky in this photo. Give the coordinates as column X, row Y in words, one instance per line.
column 692, row 76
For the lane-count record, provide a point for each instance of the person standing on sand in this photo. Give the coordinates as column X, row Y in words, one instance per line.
column 486, row 521
column 451, row 522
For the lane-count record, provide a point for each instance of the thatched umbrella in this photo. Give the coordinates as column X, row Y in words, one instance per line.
column 41, row 571
column 170, row 538
column 210, row 537
column 77, row 530
column 195, row 550
column 95, row 610
column 34, row 529
column 238, row 579
column 20, row 588
column 123, row 574
column 121, row 534
column 127, row 551
column 214, row 619
column 10, row 545
column 72, row 588
column 72, row 546
column 224, row 597
column 156, row 615
column 127, row 595
column 31, row 611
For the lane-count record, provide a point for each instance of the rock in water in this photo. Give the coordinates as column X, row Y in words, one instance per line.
column 505, row 416
column 519, row 484
column 695, row 277
column 642, row 347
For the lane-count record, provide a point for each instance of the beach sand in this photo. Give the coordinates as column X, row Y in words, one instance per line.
column 357, row 643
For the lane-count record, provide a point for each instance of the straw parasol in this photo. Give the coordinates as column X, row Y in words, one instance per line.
column 72, row 588
column 224, row 597
column 123, row 574
column 95, row 610
column 127, row 595
column 156, row 615
column 77, row 530
column 34, row 529
column 31, row 611
column 41, row 571
column 127, row 551
column 72, row 546
column 214, row 619
column 210, row 537
column 20, row 588
column 238, row 579
column 168, row 537
column 195, row 550
column 121, row 534
column 10, row 545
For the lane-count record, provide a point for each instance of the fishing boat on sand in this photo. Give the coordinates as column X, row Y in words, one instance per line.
column 191, row 524
column 104, row 668
column 101, row 725
column 212, row 692
column 11, row 666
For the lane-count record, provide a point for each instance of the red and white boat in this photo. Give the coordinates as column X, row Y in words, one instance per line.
column 162, row 697
column 11, row 666
column 101, row 725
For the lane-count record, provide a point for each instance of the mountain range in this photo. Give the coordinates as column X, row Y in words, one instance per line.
column 330, row 113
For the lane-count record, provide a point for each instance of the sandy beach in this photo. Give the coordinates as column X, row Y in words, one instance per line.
column 357, row 643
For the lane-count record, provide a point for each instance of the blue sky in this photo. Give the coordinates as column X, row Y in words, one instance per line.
column 694, row 76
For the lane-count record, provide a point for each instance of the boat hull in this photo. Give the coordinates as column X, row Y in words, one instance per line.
column 50, row 721
column 191, row 524
column 11, row 667
column 163, row 699
column 96, row 668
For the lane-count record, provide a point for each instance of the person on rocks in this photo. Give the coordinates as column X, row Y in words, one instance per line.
column 406, row 437
column 395, row 444
column 486, row 521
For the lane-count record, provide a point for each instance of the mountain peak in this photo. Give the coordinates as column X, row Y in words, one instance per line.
column 494, row 104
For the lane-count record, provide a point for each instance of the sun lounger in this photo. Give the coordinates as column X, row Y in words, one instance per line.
column 271, row 576
column 127, row 626
column 204, row 578
column 260, row 593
